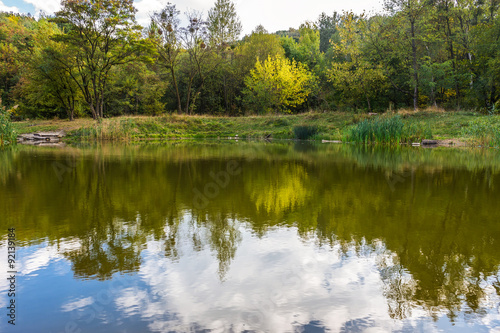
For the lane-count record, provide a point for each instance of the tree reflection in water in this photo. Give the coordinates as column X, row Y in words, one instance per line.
column 438, row 228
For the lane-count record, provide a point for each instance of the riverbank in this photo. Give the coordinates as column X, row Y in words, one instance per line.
column 453, row 126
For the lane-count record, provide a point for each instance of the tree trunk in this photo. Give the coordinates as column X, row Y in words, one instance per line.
column 188, row 97
column 415, row 68
column 433, row 93
column 226, row 104
column 71, row 108
column 92, row 109
column 453, row 60
column 177, row 94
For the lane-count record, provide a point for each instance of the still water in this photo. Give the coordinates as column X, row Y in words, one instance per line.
column 250, row 237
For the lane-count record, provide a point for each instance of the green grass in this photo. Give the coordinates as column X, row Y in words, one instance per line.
column 484, row 131
column 328, row 126
column 389, row 129
column 7, row 130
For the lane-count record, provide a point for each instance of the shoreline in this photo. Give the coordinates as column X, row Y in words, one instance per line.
column 446, row 127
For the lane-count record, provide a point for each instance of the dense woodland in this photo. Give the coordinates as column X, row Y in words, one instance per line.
column 91, row 58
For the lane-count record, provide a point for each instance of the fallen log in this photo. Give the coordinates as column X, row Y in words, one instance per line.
column 41, row 136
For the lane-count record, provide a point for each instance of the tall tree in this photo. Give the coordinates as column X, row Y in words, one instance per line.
column 328, row 30
column 164, row 30
column 447, row 17
column 224, row 29
column 16, row 44
column 45, row 78
column 411, row 12
column 355, row 76
column 224, row 26
column 197, row 61
column 100, row 34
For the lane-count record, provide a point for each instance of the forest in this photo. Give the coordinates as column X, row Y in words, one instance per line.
column 92, row 59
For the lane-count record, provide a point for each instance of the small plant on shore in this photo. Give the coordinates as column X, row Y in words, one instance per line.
column 7, row 131
column 485, row 131
column 386, row 129
column 305, row 132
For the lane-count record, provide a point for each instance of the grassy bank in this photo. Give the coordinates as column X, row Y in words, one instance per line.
column 463, row 126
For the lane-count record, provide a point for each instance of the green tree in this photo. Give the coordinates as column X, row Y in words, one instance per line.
column 100, row 34
column 16, row 43
column 45, row 79
column 487, row 63
column 224, row 29
column 328, row 30
column 198, row 61
column 136, row 88
column 164, row 31
column 410, row 12
column 259, row 45
column 354, row 75
column 307, row 49
column 224, row 26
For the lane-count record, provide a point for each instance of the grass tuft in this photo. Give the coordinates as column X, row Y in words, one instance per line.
column 7, row 131
column 386, row 129
column 484, row 131
column 305, row 132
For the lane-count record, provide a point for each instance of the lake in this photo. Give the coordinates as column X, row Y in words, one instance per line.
column 228, row 236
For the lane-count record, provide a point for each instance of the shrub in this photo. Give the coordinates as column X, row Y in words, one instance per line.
column 304, row 132
column 277, row 122
column 7, row 131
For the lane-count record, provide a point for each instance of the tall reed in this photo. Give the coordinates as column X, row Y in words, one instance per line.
column 484, row 131
column 386, row 129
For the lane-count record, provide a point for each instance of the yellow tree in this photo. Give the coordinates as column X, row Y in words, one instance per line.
column 278, row 84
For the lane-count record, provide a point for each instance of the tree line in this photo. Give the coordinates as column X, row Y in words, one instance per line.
column 92, row 58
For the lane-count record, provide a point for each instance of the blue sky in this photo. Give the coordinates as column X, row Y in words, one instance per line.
column 23, row 7
column 272, row 14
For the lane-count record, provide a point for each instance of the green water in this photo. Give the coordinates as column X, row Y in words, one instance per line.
column 251, row 236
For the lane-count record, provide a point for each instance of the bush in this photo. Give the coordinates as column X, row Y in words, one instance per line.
column 485, row 131
column 386, row 129
column 304, row 132
column 7, row 132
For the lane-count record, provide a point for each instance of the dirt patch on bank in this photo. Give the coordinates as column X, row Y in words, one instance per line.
column 448, row 143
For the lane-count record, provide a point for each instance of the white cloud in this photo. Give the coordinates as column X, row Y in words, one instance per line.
column 274, row 284
column 307, row 285
column 4, row 8
column 38, row 257
column 47, row 6
column 46, row 254
column 273, row 15
column 145, row 8
column 77, row 304
column 281, row 15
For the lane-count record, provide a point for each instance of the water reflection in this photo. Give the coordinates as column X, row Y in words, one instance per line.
column 302, row 238
column 310, row 284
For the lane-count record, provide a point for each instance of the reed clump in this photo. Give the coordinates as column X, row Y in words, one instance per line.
column 484, row 131
column 386, row 129
column 8, row 133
